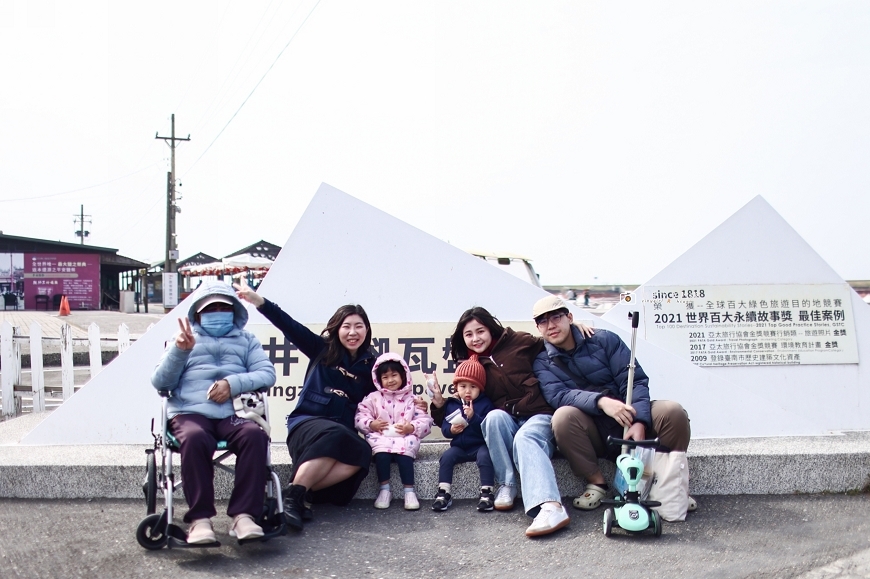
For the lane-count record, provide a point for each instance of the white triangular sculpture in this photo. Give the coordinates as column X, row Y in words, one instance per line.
column 345, row 251
column 756, row 246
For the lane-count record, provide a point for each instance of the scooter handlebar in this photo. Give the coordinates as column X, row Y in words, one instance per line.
column 626, row 442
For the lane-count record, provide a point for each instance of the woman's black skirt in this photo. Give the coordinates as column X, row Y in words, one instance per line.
column 324, row 438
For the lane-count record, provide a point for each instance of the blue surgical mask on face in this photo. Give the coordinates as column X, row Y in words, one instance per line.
column 216, row 323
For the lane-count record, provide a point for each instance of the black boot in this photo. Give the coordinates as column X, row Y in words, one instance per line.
column 307, row 513
column 293, row 507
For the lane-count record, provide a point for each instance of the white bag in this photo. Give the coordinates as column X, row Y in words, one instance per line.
column 252, row 406
column 670, row 485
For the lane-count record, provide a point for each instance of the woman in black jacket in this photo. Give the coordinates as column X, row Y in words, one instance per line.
column 330, row 460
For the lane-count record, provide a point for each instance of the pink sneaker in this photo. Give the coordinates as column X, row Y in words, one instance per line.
column 383, row 500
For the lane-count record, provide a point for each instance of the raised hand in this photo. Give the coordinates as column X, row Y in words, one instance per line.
column 185, row 340
column 244, row 292
column 468, row 409
column 435, row 390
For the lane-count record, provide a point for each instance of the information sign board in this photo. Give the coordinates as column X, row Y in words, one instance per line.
column 753, row 325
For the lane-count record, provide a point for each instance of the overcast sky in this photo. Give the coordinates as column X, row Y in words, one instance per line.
column 600, row 139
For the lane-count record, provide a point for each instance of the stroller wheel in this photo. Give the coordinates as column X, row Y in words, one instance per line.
column 608, row 521
column 149, row 535
column 149, row 487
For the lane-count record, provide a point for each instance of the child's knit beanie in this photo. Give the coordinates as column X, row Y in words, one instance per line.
column 472, row 371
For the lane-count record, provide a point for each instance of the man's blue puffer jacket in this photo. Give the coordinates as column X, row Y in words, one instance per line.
column 602, row 362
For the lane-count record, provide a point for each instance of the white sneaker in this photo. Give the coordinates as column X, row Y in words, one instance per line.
column 201, row 532
column 504, row 498
column 551, row 518
column 411, row 502
column 383, row 500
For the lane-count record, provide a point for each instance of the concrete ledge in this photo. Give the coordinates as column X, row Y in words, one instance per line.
column 834, row 463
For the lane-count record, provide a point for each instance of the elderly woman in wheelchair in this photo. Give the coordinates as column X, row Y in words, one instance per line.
column 211, row 361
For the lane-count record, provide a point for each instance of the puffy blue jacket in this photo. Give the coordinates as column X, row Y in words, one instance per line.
column 601, row 361
column 318, row 399
column 237, row 357
column 472, row 436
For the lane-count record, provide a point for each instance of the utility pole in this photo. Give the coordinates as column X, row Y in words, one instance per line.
column 80, row 219
column 171, row 210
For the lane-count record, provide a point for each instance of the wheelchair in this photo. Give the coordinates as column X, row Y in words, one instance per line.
column 156, row 531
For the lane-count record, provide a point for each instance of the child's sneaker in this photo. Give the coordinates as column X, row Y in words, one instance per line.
column 411, row 502
column 443, row 500
column 504, row 498
column 486, row 501
column 383, row 500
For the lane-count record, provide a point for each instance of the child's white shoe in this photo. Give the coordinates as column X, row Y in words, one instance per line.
column 383, row 500
column 411, row 502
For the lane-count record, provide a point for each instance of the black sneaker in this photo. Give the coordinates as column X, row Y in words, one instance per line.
column 443, row 500
column 487, row 500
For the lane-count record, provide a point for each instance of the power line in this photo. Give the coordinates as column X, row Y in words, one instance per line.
column 205, row 51
column 254, row 89
column 82, row 188
column 232, row 73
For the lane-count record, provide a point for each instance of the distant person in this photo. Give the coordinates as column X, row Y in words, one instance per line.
column 212, row 360
column 393, row 427
column 586, row 298
column 466, row 440
column 585, row 379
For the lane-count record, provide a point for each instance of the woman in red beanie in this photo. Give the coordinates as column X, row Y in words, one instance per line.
column 517, row 431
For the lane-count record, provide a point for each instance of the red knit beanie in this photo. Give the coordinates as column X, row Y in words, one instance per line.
column 472, row 371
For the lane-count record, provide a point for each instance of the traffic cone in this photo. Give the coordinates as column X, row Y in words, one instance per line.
column 64, row 307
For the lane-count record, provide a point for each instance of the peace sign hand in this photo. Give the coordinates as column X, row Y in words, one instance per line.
column 244, row 292
column 185, row 339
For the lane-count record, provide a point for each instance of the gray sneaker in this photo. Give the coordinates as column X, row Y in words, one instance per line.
column 504, row 498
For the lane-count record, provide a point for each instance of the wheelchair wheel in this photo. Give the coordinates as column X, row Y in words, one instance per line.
column 149, row 535
column 149, row 487
column 270, row 519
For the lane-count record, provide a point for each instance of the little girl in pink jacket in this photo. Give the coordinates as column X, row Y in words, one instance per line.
column 393, row 426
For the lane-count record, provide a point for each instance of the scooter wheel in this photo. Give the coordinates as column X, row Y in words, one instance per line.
column 656, row 523
column 608, row 521
column 149, row 536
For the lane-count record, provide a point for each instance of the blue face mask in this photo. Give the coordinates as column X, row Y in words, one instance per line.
column 216, row 323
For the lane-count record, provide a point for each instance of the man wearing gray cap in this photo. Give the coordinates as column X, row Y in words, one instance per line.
column 585, row 380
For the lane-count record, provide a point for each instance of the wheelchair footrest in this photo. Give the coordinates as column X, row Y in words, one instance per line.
column 281, row 530
column 178, row 540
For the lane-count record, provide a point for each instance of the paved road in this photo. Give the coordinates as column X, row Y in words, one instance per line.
column 729, row 537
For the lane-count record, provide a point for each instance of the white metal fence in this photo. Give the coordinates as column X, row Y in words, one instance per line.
column 41, row 395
